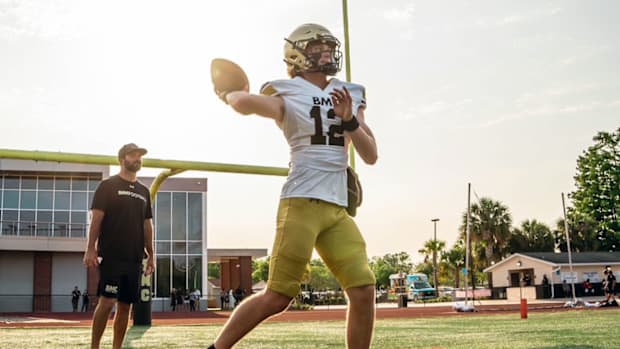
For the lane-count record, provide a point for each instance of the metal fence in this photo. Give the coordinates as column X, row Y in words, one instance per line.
column 43, row 229
column 41, row 303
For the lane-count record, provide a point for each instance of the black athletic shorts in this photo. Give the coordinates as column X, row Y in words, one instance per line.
column 120, row 281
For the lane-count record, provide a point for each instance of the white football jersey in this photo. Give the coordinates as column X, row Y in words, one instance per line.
column 315, row 136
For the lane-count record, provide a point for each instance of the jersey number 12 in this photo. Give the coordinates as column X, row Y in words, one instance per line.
column 335, row 134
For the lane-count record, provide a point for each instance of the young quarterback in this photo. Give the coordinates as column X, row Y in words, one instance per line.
column 319, row 116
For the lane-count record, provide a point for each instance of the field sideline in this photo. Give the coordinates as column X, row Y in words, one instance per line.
column 572, row 329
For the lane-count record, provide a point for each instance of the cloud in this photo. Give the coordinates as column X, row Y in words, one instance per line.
column 436, row 110
column 572, row 90
column 45, row 19
column 550, row 110
column 585, row 53
column 518, row 18
column 402, row 19
column 558, row 100
column 552, row 101
column 400, row 15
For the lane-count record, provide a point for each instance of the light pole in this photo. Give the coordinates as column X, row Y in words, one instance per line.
column 523, row 301
column 520, row 280
column 435, row 220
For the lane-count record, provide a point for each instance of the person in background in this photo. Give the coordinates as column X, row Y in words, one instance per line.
column 75, row 298
column 192, row 301
column 610, row 285
column 566, row 288
column 223, row 299
column 587, row 288
column 173, row 299
column 85, row 301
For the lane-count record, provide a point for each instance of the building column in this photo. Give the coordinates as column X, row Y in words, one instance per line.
column 234, row 274
column 225, row 275
column 245, row 274
column 42, row 280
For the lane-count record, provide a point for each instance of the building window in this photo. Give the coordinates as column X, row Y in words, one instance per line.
column 162, row 247
column 162, row 275
column 46, row 183
column 195, row 216
column 194, row 273
column 179, row 272
column 79, row 184
column 28, row 200
column 179, row 223
column 178, row 247
column 10, row 199
column 11, row 182
column 61, row 200
column 179, row 216
column 45, row 200
column 162, row 214
column 29, row 182
column 45, row 205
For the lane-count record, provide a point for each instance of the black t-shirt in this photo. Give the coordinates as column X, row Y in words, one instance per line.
column 611, row 280
column 126, row 205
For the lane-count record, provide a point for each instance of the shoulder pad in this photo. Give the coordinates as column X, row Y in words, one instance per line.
column 358, row 93
column 281, row 87
column 268, row 89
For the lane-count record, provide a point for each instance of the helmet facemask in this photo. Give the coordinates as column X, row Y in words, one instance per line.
column 301, row 61
column 331, row 68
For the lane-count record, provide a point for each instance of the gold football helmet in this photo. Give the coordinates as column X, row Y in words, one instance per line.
column 299, row 61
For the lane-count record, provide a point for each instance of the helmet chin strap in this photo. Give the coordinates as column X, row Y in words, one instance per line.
column 327, row 69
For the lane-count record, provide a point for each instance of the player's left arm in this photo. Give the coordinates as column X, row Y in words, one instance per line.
column 364, row 140
column 148, row 246
column 355, row 127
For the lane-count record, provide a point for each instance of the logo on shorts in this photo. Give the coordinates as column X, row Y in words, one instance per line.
column 111, row 289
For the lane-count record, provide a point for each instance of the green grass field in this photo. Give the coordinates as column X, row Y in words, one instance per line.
column 583, row 329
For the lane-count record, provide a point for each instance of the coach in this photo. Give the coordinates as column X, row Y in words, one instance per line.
column 121, row 232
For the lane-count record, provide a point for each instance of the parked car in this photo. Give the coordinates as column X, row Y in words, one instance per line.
column 381, row 295
column 446, row 291
column 414, row 285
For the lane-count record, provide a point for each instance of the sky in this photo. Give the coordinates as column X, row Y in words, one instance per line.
column 504, row 95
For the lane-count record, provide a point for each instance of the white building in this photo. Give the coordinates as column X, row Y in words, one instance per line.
column 507, row 276
column 44, row 223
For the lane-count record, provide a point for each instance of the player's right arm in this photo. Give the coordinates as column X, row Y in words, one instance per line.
column 90, row 256
column 246, row 103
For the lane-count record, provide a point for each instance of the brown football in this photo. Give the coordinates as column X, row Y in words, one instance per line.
column 227, row 76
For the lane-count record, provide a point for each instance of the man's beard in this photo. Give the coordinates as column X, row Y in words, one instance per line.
column 133, row 166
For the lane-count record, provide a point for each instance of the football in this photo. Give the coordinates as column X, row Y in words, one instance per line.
column 227, row 76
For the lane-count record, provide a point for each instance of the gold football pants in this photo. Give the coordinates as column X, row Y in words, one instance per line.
column 304, row 224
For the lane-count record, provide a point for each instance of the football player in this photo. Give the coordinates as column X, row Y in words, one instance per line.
column 319, row 115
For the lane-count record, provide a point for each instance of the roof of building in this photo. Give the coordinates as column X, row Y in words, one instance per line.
column 577, row 257
column 223, row 254
column 561, row 258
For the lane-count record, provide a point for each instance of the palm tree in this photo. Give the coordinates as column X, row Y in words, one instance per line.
column 432, row 248
column 533, row 236
column 490, row 223
column 454, row 259
column 583, row 234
